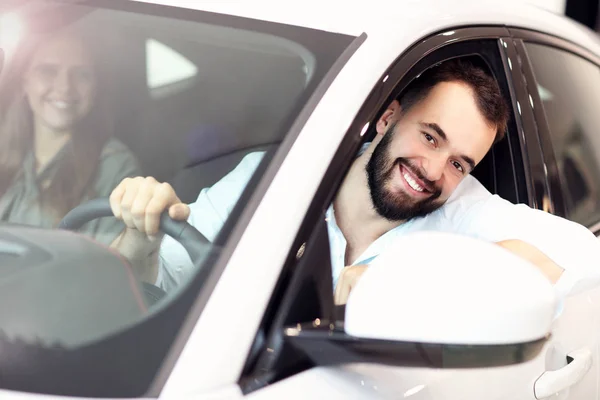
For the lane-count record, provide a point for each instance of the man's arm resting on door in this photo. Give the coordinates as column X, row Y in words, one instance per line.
column 530, row 253
column 350, row 275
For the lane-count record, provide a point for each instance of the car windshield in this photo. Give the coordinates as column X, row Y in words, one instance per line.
column 90, row 96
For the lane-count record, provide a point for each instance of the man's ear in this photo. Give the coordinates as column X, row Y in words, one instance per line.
column 388, row 117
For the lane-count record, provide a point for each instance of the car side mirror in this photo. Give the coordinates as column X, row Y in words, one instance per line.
column 438, row 300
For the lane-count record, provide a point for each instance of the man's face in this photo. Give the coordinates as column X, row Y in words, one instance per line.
column 426, row 152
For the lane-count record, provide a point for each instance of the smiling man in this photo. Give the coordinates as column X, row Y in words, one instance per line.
column 413, row 176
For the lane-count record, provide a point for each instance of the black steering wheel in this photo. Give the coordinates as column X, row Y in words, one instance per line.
column 192, row 241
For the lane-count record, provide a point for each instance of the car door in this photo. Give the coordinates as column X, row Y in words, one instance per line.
column 276, row 370
column 561, row 80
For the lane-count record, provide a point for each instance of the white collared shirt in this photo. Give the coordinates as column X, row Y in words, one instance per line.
column 471, row 210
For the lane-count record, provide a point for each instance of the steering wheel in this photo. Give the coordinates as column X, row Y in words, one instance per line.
column 192, row 241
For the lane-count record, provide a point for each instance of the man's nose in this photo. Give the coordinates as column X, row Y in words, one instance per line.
column 434, row 167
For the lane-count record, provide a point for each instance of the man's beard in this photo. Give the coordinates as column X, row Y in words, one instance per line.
column 398, row 206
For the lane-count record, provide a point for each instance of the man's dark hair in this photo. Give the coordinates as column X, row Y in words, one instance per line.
column 488, row 96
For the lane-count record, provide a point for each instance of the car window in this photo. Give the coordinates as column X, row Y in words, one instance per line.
column 91, row 96
column 569, row 87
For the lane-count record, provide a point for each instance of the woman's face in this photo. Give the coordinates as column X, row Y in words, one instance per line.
column 60, row 84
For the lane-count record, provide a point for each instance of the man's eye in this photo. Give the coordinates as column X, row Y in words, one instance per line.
column 458, row 166
column 429, row 138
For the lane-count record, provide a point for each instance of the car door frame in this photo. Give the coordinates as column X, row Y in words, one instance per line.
column 399, row 74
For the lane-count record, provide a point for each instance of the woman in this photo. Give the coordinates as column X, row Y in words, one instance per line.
column 56, row 149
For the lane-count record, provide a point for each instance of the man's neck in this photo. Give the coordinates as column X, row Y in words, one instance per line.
column 355, row 214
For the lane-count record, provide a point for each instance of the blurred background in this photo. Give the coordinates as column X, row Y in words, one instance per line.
column 583, row 11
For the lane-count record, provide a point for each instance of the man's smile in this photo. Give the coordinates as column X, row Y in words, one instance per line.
column 412, row 182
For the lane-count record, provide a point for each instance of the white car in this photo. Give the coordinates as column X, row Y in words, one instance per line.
column 200, row 85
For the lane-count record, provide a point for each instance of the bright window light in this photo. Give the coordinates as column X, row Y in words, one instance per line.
column 545, row 94
column 165, row 66
column 11, row 31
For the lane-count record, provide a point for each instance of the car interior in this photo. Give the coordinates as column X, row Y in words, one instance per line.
column 190, row 110
column 176, row 111
column 182, row 138
column 194, row 125
column 191, row 99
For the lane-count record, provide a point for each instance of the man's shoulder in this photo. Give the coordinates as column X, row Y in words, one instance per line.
column 251, row 160
column 469, row 190
column 229, row 187
column 242, row 172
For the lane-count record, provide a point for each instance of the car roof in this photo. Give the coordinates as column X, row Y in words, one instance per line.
column 395, row 17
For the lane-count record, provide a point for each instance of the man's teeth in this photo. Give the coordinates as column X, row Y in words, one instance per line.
column 412, row 183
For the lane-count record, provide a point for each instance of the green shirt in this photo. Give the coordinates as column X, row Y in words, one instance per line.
column 20, row 204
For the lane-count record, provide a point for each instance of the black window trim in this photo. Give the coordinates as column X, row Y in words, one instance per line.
column 526, row 136
column 387, row 88
column 533, row 163
column 552, row 200
column 521, row 36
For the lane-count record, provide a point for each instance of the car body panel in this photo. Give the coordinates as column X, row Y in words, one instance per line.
column 397, row 17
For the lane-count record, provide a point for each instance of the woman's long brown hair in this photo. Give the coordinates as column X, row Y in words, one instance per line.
column 77, row 168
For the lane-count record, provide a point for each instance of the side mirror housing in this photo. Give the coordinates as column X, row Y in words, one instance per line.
column 444, row 288
column 440, row 300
